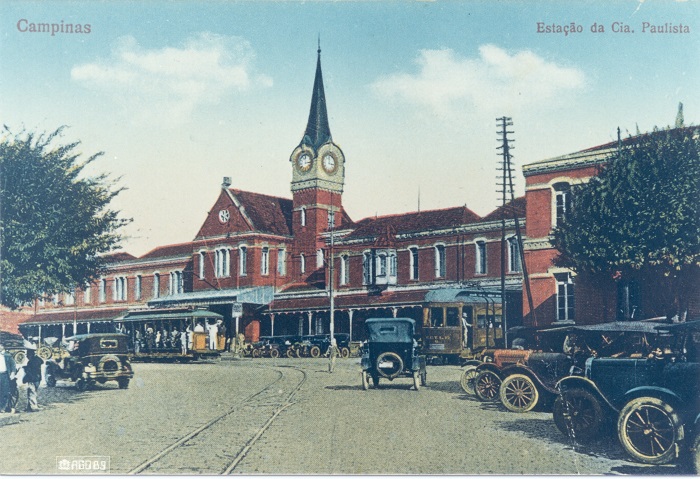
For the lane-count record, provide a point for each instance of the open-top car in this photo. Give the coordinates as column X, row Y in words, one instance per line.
column 391, row 351
column 655, row 400
column 94, row 358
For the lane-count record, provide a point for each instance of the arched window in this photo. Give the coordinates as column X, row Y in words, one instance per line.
column 156, row 285
column 243, row 260
column 265, row 261
column 440, row 263
column 281, row 262
column 344, row 269
column 480, row 257
column 202, row 258
column 514, row 263
column 302, row 214
column 413, row 263
column 302, row 263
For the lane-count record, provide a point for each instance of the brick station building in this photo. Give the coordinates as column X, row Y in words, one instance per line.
column 268, row 258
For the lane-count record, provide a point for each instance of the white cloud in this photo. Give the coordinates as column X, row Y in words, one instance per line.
column 496, row 81
column 169, row 83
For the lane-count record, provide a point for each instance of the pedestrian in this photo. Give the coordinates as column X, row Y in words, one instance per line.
column 183, row 341
column 213, row 333
column 32, row 378
column 8, row 369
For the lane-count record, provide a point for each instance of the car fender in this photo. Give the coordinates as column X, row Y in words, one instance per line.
column 489, row 367
column 664, row 394
column 570, row 382
column 472, row 362
column 524, row 370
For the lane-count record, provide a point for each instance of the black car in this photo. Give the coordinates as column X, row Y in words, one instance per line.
column 655, row 400
column 391, row 351
column 93, row 358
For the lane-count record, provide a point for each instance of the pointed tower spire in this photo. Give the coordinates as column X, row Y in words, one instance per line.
column 317, row 130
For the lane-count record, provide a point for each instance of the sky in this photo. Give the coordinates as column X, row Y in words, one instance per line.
column 179, row 94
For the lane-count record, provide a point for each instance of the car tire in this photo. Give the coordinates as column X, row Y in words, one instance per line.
column 19, row 357
column 289, row 353
column 650, row 430
column 416, row 380
column 578, row 414
column 274, row 353
column 81, row 385
column 466, row 379
column 519, row 393
column 344, row 353
column 395, row 359
column 315, row 351
column 51, row 381
column 365, row 381
column 487, row 385
column 255, row 353
column 44, row 352
column 123, row 383
column 694, row 454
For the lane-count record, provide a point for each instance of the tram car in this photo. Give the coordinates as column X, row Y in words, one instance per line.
column 460, row 324
column 158, row 334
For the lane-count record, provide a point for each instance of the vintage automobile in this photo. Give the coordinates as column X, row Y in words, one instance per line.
column 655, row 400
column 391, row 351
column 94, row 358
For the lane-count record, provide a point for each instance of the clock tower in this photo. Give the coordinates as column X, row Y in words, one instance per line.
column 318, row 174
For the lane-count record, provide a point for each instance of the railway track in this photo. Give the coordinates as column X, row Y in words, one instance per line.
column 230, row 435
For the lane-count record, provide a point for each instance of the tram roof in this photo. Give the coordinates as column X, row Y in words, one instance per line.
column 460, row 295
column 170, row 315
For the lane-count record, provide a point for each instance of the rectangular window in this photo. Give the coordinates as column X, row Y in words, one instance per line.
column 281, row 262
column 331, row 220
column 87, row 293
column 366, row 268
column 302, row 263
column 202, row 258
column 344, row 270
column 137, row 288
column 562, row 202
column 319, row 258
column 103, row 290
column 514, row 262
column 392, row 265
column 243, row 261
column 265, row 261
column 381, row 265
column 440, row 261
column 480, row 257
column 413, row 260
column 156, row 285
column 565, row 297
column 70, row 298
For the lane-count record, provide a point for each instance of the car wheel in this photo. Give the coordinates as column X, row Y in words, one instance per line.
column 578, row 414
column 486, row 386
column 123, row 383
column 344, row 353
column 81, row 384
column 416, row 380
column 365, row 381
column 274, row 353
column 44, row 352
column 519, row 393
column 650, row 430
column 695, row 455
column 315, row 351
column 289, row 353
column 19, row 357
column 51, row 381
column 255, row 353
column 466, row 380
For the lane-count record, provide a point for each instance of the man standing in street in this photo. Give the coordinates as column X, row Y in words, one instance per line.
column 7, row 374
column 32, row 378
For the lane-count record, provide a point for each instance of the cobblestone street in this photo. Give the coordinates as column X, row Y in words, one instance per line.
column 265, row 426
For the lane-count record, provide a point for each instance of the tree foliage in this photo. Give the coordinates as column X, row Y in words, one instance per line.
column 55, row 222
column 639, row 218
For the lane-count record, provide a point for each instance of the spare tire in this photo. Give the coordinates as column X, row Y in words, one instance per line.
column 389, row 365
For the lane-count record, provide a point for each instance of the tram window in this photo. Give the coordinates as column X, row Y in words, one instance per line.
column 452, row 317
column 436, row 316
column 481, row 319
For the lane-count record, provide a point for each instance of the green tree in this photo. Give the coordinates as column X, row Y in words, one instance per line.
column 639, row 219
column 54, row 219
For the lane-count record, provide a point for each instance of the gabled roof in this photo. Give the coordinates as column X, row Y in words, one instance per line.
column 516, row 206
column 118, row 256
column 269, row 214
column 181, row 249
column 317, row 130
column 414, row 222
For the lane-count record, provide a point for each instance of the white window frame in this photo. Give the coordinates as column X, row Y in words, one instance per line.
column 243, row 260
column 440, row 260
column 103, row 290
column 319, row 258
column 156, row 284
column 413, row 263
column 87, row 293
column 366, row 267
column 138, row 287
column 281, row 262
column 344, row 269
column 265, row 261
column 514, row 259
column 565, row 297
column 202, row 259
column 481, row 257
column 302, row 263
column 302, row 214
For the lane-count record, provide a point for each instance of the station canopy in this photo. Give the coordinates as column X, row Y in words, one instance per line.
column 169, row 315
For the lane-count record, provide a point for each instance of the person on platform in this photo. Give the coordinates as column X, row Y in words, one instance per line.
column 213, row 333
column 8, row 369
column 32, row 378
column 184, row 340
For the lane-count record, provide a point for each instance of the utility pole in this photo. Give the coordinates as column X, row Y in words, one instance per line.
column 332, row 348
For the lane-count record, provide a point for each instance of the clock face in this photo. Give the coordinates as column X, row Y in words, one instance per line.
column 330, row 163
column 304, row 162
column 224, row 216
